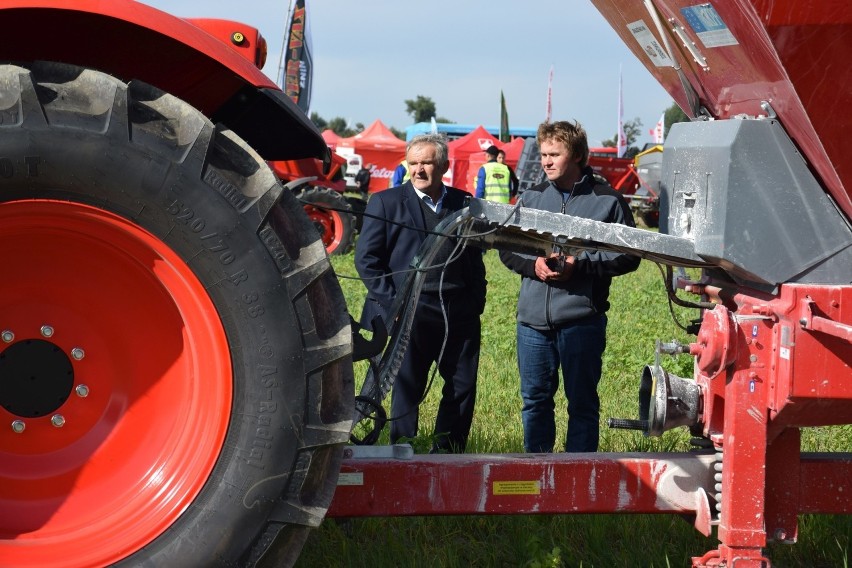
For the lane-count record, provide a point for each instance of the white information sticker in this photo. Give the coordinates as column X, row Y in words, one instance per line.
column 356, row 478
column 649, row 44
column 708, row 26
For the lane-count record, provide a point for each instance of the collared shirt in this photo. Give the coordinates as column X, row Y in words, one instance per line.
column 436, row 207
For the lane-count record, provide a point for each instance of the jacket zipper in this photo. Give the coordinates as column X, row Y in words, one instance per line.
column 549, row 291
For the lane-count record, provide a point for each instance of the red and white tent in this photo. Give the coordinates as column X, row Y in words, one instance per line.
column 378, row 146
column 331, row 138
column 467, row 154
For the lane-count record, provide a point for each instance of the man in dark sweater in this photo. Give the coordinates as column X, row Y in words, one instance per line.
column 396, row 222
column 564, row 299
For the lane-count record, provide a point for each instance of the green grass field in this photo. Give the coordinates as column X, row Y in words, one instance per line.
column 639, row 316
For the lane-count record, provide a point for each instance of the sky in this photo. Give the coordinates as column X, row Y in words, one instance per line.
column 370, row 56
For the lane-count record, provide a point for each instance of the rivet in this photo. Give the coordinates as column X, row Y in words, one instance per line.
column 7, row 336
column 78, row 353
column 47, row 331
column 18, row 426
column 57, row 420
column 82, row 391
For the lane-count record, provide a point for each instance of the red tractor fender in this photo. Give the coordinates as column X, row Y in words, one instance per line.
column 294, row 169
column 188, row 58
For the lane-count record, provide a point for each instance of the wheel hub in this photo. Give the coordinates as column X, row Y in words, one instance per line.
column 36, row 378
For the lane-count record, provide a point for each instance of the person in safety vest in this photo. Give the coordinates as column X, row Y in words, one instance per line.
column 514, row 182
column 493, row 179
column 400, row 174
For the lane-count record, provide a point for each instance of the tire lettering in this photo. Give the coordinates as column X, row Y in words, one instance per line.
column 216, row 246
column 263, row 434
column 262, row 439
column 255, row 458
column 253, row 310
column 275, row 248
column 186, row 216
column 7, row 169
column 266, row 371
column 226, row 189
column 240, row 276
column 32, row 165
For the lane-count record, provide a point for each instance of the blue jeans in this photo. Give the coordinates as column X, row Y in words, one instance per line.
column 577, row 349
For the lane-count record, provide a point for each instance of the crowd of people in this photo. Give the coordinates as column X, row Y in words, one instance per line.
column 562, row 304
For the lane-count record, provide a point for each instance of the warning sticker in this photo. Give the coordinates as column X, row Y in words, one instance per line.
column 708, row 25
column 356, row 478
column 517, row 488
column 649, row 44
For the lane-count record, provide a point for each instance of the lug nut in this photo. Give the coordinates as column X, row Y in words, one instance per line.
column 47, row 331
column 78, row 353
column 57, row 420
column 7, row 336
column 18, row 426
column 82, row 391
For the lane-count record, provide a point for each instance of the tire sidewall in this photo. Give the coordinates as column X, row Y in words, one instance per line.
column 172, row 202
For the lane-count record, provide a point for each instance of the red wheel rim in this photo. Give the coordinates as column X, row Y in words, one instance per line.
column 136, row 450
column 329, row 225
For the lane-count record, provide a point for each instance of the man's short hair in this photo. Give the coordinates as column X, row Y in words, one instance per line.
column 569, row 133
column 442, row 152
column 492, row 150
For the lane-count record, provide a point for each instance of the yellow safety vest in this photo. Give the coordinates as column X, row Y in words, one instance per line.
column 497, row 180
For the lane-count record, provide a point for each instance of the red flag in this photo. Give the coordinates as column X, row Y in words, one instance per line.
column 298, row 61
column 621, row 145
column 659, row 130
column 549, row 108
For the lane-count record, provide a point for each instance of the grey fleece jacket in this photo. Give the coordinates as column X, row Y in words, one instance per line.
column 549, row 305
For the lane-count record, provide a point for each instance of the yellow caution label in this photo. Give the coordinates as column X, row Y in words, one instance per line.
column 517, row 488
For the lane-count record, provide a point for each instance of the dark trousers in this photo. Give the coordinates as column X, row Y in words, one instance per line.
column 458, row 367
column 578, row 351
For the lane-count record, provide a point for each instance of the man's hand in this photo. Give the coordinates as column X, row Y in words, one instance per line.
column 554, row 268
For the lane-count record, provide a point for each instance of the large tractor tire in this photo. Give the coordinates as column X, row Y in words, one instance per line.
column 332, row 217
column 175, row 355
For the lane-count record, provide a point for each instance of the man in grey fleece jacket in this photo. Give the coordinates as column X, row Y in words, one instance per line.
column 564, row 299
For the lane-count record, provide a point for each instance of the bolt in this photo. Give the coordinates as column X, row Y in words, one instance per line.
column 18, row 426
column 82, row 391
column 47, row 331
column 78, row 353
column 780, row 534
column 8, row 336
column 57, row 420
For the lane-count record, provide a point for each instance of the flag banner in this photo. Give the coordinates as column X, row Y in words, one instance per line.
column 504, row 120
column 298, row 66
column 621, row 145
column 548, row 111
column 659, row 130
